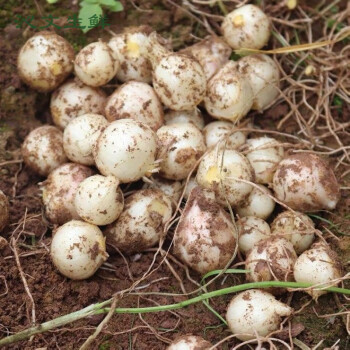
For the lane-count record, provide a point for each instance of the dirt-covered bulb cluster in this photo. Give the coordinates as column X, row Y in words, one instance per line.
column 116, row 166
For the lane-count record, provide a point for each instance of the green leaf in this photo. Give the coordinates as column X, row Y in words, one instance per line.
column 88, row 2
column 85, row 14
column 52, row 1
column 112, row 5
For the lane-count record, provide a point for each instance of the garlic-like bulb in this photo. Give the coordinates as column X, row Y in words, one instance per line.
column 255, row 313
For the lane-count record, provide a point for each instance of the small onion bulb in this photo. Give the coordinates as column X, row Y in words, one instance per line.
column 305, row 182
column 45, row 61
column 58, row 192
column 73, row 99
column 126, row 149
column 189, row 342
column 138, row 101
column 319, row 265
column 295, row 226
column 80, row 136
column 221, row 171
column 271, row 259
column 95, row 64
column 225, row 133
column 42, row 149
column 251, row 230
column 99, row 200
column 255, row 313
column 229, row 94
column 205, row 238
column 140, row 225
column 179, row 148
column 78, row 249
column 258, row 203
column 264, row 154
column 193, row 116
column 264, row 77
column 246, row 27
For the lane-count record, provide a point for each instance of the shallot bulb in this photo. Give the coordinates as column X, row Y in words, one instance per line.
column 264, row 154
column 189, row 342
column 99, row 200
column 254, row 313
column 128, row 47
column 246, row 27
column 259, row 203
column 212, row 53
column 45, row 61
column 296, row 227
column 141, row 224
column 138, row 101
column 95, row 64
column 59, row 190
column 320, row 266
column 222, row 171
column 251, row 230
column 126, row 149
column 271, row 259
column 305, row 182
column 205, row 238
column 178, row 80
column 73, row 99
column 42, row 149
column 193, row 116
column 78, row 249
column 81, row 135
column 264, row 77
column 179, row 148
column 229, row 94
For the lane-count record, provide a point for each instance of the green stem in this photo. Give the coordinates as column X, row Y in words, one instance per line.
column 215, row 293
column 100, row 308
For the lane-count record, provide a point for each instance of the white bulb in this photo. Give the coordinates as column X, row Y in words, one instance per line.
column 45, row 61
column 212, row 53
column 58, row 192
column 223, row 132
column 99, row 200
column 221, row 171
column 42, row 149
column 229, row 94
column 189, row 342
column 264, row 77
column 255, row 313
column 264, row 154
column 258, row 203
column 179, row 147
column 205, row 238
column 78, row 249
column 141, row 224
column 271, row 259
column 73, row 99
column 137, row 101
column 318, row 266
column 129, row 48
column 95, row 64
column 305, row 182
column 251, row 231
column 193, row 116
column 246, row 27
column 80, row 136
column 126, row 149
column 295, row 226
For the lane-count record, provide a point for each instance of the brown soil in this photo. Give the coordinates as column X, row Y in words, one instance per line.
column 23, row 109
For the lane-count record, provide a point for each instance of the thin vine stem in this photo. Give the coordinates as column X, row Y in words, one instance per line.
column 101, row 308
